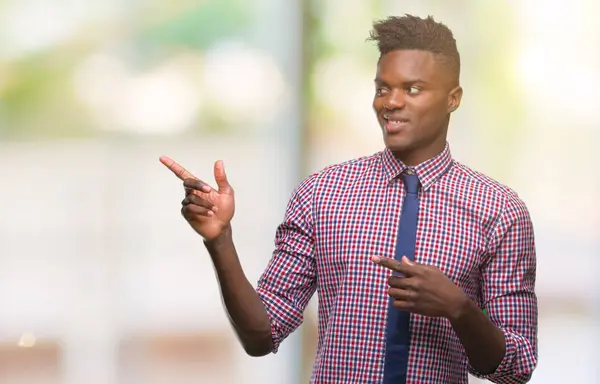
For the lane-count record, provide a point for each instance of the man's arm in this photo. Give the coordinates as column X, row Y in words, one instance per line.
column 503, row 347
column 508, row 296
column 246, row 311
column 290, row 280
column 264, row 317
column 483, row 342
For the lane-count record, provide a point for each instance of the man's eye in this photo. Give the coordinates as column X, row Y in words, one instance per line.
column 413, row 90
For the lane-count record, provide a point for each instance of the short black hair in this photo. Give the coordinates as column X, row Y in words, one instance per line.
column 412, row 32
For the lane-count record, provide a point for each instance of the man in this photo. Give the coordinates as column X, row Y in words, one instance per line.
column 425, row 269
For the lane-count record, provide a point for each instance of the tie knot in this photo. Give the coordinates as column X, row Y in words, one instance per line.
column 411, row 182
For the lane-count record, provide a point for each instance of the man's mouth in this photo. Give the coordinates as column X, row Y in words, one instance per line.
column 392, row 122
column 394, row 118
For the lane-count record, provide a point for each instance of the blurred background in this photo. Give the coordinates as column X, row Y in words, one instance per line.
column 102, row 281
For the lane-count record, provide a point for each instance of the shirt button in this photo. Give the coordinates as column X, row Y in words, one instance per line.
column 410, row 171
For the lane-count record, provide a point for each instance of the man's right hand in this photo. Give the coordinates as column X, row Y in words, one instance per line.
column 208, row 211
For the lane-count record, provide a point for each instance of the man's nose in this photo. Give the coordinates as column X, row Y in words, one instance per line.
column 396, row 100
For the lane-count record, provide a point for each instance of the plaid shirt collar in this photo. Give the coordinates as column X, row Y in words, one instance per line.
column 428, row 172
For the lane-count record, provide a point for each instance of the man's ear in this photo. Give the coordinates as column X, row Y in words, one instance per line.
column 454, row 98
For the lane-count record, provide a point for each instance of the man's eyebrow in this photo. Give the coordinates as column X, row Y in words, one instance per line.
column 406, row 82
column 415, row 81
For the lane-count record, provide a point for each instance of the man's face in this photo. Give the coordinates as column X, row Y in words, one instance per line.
column 414, row 96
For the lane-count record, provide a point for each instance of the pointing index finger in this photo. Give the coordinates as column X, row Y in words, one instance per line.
column 176, row 168
column 394, row 265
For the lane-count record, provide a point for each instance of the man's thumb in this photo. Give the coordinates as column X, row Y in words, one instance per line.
column 221, row 177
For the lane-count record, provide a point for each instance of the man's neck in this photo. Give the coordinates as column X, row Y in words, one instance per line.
column 415, row 158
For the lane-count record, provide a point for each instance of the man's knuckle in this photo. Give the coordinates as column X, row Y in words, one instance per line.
column 417, row 284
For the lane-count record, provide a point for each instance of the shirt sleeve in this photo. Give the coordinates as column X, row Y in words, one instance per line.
column 508, row 293
column 289, row 280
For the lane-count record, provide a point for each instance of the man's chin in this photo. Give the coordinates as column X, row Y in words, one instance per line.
column 396, row 143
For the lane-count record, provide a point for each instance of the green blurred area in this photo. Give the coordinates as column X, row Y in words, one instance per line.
column 197, row 28
column 37, row 98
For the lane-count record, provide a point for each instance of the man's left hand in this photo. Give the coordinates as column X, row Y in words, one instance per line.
column 423, row 289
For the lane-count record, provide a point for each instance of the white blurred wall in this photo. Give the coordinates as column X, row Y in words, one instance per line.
column 94, row 250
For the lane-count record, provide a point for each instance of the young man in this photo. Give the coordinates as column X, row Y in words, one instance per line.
column 425, row 269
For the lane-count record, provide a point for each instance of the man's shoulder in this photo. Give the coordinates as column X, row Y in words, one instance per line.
column 355, row 165
column 335, row 177
column 485, row 185
column 345, row 172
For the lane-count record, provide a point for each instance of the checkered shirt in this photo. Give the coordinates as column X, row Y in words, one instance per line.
column 475, row 230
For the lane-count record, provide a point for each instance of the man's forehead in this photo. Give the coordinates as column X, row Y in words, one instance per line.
column 410, row 65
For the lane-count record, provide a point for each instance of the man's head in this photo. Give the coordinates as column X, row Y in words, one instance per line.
column 416, row 86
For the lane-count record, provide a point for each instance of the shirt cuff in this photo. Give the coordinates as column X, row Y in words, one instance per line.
column 283, row 317
column 507, row 372
column 506, row 365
